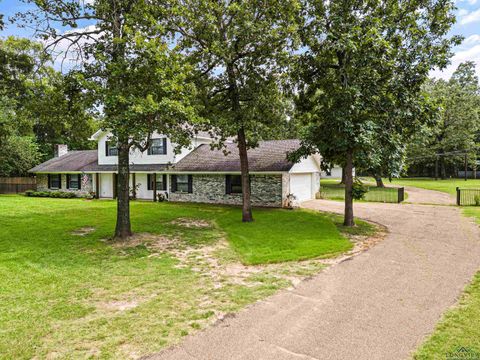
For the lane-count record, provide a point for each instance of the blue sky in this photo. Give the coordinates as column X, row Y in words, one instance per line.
column 468, row 25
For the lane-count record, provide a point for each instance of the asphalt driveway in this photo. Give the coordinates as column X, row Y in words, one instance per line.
column 378, row 305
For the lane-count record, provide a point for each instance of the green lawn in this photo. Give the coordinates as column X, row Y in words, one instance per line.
column 460, row 326
column 332, row 190
column 63, row 295
column 448, row 186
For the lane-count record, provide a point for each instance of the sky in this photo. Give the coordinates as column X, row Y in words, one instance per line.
column 467, row 25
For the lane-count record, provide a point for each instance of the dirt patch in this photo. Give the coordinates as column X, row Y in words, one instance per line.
column 118, row 305
column 157, row 243
column 191, row 223
column 83, row 231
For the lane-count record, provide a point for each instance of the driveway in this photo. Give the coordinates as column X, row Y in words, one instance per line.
column 379, row 305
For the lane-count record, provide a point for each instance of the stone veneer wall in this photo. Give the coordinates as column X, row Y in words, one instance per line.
column 42, row 184
column 266, row 191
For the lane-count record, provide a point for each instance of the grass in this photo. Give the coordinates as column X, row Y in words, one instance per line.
column 459, row 326
column 69, row 296
column 332, row 190
column 448, row 186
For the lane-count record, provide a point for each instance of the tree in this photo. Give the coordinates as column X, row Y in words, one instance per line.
column 361, row 75
column 444, row 144
column 137, row 79
column 238, row 49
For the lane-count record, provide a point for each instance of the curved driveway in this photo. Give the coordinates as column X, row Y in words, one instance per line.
column 378, row 305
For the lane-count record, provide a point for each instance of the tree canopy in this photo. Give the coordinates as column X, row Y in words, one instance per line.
column 361, row 76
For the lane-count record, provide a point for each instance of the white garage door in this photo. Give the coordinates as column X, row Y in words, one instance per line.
column 301, row 186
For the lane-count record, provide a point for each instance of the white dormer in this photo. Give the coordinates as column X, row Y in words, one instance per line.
column 161, row 150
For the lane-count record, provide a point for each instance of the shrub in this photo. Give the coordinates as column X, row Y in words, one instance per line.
column 359, row 190
column 477, row 200
column 52, row 194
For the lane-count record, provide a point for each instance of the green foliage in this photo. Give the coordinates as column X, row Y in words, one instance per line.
column 18, row 154
column 457, row 125
column 358, row 190
column 240, row 52
column 477, row 200
column 51, row 194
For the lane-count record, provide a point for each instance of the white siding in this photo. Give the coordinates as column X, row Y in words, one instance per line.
column 137, row 157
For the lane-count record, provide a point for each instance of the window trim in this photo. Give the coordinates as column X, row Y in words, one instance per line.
column 163, row 147
column 229, row 184
column 163, row 178
column 108, row 148
column 50, row 181
column 174, row 186
column 79, row 181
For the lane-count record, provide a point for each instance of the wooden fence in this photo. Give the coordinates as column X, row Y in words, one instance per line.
column 17, row 185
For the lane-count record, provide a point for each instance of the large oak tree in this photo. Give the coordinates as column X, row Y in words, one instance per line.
column 239, row 49
column 361, row 75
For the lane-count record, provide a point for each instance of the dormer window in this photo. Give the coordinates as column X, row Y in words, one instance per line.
column 111, row 148
column 158, row 147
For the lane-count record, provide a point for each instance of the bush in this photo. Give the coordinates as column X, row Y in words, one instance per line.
column 51, row 194
column 477, row 200
column 359, row 190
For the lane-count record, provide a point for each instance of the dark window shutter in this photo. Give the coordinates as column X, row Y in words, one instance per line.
column 59, row 181
column 68, row 181
column 149, row 182
column 174, row 183
column 49, row 181
column 228, row 184
column 149, row 149
column 106, row 148
column 164, row 181
column 79, row 182
column 164, row 146
column 190, row 184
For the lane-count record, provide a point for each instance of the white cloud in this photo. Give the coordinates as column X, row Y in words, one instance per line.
column 470, row 17
column 470, row 54
column 472, row 40
column 470, row 2
column 462, row 12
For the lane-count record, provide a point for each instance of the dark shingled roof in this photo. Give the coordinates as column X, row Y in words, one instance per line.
column 268, row 156
column 86, row 161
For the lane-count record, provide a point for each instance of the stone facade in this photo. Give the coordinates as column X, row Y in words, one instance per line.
column 86, row 188
column 266, row 191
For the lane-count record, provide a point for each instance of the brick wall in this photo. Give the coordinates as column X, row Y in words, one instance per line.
column 266, row 191
column 86, row 188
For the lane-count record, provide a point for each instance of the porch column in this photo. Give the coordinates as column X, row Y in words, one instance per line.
column 97, row 186
column 154, row 187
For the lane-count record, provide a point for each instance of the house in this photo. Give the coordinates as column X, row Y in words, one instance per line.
column 196, row 174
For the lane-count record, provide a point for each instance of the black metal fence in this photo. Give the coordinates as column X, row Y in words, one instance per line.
column 17, row 185
column 374, row 194
column 467, row 197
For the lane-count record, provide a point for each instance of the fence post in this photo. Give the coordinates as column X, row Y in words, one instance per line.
column 401, row 194
column 458, row 196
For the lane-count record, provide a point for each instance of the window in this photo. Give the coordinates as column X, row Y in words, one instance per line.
column 161, row 182
column 158, row 147
column 110, row 149
column 54, row 181
column 182, row 183
column 233, row 184
column 73, row 181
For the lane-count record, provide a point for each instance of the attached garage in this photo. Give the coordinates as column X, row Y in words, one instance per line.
column 301, row 186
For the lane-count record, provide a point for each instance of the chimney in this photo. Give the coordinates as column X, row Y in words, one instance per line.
column 60, row 150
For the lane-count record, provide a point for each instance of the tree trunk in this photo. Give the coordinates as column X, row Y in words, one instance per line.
column 343, row 176
column 443, row 172
column 379, row 181
column 348, row 218
column 123, row 228
column 246, row 204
